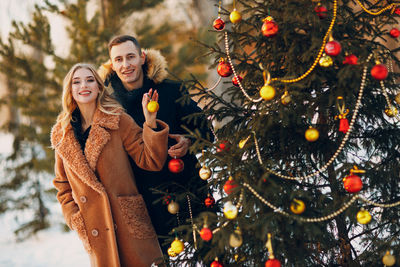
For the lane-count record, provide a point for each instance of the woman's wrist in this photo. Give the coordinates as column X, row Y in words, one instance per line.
column 152, row 124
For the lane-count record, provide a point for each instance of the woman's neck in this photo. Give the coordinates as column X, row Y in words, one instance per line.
column 87, row 113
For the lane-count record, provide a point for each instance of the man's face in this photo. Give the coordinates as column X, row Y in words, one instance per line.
column 127, row 63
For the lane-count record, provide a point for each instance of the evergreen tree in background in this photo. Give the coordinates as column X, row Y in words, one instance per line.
column 34, row 75
column 318, row 103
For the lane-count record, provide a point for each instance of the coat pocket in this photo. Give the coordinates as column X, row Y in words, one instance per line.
column 136, row 217
column 78, row 225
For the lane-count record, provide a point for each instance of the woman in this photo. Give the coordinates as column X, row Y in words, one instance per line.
column 96, row 186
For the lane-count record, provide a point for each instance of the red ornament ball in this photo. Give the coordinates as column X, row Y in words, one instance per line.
column 394, row 32
column 224, row 69
column 209, row 201
column 379, row 72
column 223, row 146
column 350, row 60
column 272, row 263
column 206, row 234
column 219, row 24
column 167, row 199
column 322, row 12
column 176, row 165
column 229, row 185
column 352, row 183
column 397, row 11
column 333, row 48
column 216, row 263
column 235, row 81
column 269, row 27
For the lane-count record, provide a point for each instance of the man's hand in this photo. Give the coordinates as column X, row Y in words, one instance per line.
column 150, row 116
column 181, row 148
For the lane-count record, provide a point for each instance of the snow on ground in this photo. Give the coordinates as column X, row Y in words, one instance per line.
column 51, row 247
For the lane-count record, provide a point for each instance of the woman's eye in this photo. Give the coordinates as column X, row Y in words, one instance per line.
column 75, row 82
column 90, row 80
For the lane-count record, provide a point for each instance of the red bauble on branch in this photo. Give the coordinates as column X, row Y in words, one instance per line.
column 269, row 27
column 223, row 146
column 235, row 81
column 206, row 234
column 379, row 72
column 350, row 60
column 394, row 33
column 352, row 183
column 176, row 165
column 209, row 201
column 229, row 185
column 224, row 68
column 333, row 48
column 272, row 263
column 343, row 125
column 219, row 24
column 321, row 11
column 216, row 263
column 397, row 11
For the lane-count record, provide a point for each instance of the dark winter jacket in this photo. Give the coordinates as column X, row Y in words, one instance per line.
column 172, row 113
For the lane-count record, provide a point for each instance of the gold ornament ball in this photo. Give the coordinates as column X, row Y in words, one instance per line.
column 205, row 173
column 230, row 210
column 235, row 239
column 325, row 61
column 285, row 98
column 177, row 246
column 363, row 216
column 312, row 134
column 235, row 16
column 152, row 106
column 297, row 206
column 173, row 207
column 388, row 259
column 171, row 252
column 391, row 112
column 397, row 98
column 267, row 92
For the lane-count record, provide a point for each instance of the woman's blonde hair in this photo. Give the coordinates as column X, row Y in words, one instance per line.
column 105, row 102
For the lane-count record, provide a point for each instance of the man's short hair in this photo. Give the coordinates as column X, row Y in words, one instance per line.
column 122, row 39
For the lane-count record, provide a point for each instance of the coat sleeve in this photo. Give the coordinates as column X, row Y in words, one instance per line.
column 187, row 108
column 148, row 148
column 64, row 194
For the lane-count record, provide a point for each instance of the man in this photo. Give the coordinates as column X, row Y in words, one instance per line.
column 131, row 73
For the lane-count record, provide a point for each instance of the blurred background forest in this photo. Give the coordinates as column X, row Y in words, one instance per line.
column 40, row 41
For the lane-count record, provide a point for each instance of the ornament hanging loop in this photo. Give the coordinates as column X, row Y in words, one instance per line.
column 269, row 247
column 356, row 170
column 267, row 77
column 219, row 8
column 341, row 107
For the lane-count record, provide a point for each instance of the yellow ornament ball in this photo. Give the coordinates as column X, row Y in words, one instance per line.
column 267, row 92
column 297, row 206
column 205, row 173
column 230, row 210
column 235, row 239
column 325, row 61
column 173, row 207
column 152, row 106
column 397, row 98
column 171, row 252
column 312, row 134
column 391, row 112
column 177, row 246
column 363, row 216
column 235, row 16
column 388, row 259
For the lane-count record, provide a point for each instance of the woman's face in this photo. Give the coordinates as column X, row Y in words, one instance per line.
column 84, row 87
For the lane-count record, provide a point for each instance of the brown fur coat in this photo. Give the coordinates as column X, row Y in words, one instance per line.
column 97, row 189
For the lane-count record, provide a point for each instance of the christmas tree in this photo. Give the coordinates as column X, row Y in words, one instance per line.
column 306, row 165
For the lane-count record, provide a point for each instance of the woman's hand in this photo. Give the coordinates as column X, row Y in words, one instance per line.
column 150, row 117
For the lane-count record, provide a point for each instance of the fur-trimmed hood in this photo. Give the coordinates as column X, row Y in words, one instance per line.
column 155, row 66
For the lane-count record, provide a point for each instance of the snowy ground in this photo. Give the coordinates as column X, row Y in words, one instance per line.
column 48, row 248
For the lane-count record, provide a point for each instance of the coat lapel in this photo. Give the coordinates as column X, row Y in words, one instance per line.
column 71, row 153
